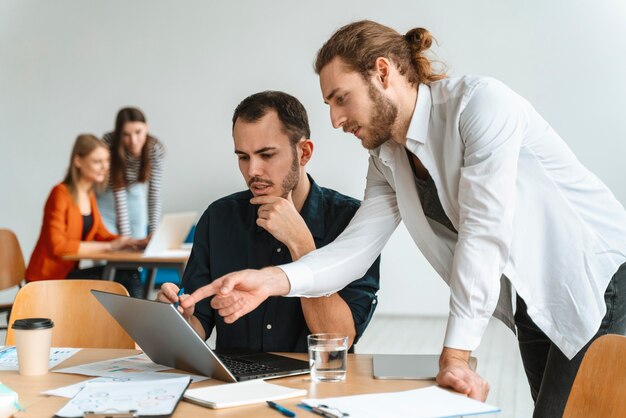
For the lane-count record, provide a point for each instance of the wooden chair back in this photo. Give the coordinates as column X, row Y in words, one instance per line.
column 79, row 319
column 599, row 389
column 11, row 260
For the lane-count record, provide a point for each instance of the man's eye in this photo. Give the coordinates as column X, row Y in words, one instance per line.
column 341, row 99
column 242, row 158
column 267, row 155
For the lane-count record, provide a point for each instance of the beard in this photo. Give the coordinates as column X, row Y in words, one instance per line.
column 293, row 177
column 383, row 118
column 289, row 182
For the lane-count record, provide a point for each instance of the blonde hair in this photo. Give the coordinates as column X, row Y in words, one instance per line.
column 84, row 145
column 359, row 44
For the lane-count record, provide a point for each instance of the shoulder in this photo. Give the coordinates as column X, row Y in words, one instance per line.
column 59, row 196
column 464, row 87
column 225, row 209
column 235, row 200
column 157, row 149
column 60, row 191
column 490, row 98
column 338, row 201
column 107, row 138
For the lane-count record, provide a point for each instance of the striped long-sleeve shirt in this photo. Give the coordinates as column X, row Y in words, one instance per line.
column 133, row 166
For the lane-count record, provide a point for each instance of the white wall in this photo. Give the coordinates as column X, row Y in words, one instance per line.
column 66, row 67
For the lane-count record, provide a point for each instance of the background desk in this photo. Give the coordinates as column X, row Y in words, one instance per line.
column 133, row 260
column 358, row 380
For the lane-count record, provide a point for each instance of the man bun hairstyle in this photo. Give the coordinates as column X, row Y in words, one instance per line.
column 359, row 44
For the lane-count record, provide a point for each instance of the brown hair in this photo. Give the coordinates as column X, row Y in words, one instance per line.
column 359, row 44
column 84, row 145
column 118, row 153
column 290, row 111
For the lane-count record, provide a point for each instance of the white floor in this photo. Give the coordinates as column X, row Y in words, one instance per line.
column 498, row 355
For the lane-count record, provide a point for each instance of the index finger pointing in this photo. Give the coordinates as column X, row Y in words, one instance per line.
column 202, row 293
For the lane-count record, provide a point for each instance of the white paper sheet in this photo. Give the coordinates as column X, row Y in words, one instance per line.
column 159, row 397
column 72, row 390
column 116, row 367
column 8, row 356
column 430, row 402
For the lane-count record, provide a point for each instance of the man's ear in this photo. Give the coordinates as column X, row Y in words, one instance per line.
column 382, row 70
column 306, row 151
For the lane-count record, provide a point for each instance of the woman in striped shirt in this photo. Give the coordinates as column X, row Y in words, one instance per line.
column 132, row 204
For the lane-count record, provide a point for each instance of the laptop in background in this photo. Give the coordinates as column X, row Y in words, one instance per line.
column 170, row 235
column 166, row 337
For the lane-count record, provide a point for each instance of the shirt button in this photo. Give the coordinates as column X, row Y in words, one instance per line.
column 278, row 249
column 374, row 302
column 268, row 326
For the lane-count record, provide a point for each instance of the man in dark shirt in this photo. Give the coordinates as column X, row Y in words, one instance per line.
column 283, row 216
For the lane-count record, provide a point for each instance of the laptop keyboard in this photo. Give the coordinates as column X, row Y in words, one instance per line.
column 240, row 366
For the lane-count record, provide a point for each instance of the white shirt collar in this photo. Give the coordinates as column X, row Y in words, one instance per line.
column 418, row 128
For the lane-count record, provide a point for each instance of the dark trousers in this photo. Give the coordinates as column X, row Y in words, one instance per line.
column 128, row 278
column 550, row 373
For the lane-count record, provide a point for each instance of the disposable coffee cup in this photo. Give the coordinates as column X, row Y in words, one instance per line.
column 33, row 337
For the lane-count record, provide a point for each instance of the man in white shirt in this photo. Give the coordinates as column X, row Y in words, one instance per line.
column 491, row 195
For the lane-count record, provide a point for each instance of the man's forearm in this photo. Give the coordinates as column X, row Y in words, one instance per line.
column 302, row 246
column 197, row 326
column 323, row 314
column 329, row 314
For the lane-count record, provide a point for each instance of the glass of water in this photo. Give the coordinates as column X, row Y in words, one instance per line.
column 327, row 357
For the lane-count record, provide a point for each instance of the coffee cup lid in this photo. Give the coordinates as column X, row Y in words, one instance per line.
column 33, row 323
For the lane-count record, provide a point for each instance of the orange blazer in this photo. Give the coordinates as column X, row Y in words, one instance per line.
column 61, row 234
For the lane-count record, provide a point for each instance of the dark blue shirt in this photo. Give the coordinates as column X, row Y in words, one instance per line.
column 228, row 239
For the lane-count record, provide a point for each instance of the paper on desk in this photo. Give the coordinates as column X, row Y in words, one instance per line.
column 116, row 367
column 8, row 356
column 431, row 402
column 159, row 397
column 71, row 390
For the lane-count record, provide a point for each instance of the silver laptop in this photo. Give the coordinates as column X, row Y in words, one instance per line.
column 170, row 235
column 166, row 337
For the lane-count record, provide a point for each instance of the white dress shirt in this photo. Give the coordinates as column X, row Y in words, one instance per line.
column 522, row 204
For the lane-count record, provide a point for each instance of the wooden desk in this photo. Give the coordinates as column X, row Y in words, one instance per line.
column 358, row 380
column 133, row 260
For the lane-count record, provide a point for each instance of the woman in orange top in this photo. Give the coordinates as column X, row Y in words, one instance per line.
column 71, row 220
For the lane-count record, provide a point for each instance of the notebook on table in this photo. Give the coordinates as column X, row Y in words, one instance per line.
column 168, row 339
column 242, row 393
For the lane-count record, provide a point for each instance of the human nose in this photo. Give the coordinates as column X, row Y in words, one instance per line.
column 337, row 118
column 255, row 168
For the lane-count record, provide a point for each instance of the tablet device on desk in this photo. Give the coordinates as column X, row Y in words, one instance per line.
column 166, row 337
column 169, row 237
column 409, row 366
